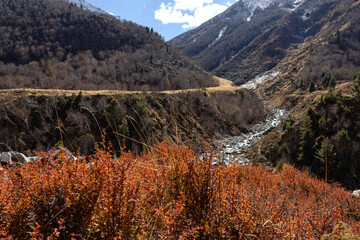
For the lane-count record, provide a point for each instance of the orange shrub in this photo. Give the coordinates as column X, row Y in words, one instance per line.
column 168, row 193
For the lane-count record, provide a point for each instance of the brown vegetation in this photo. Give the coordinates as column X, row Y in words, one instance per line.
column 54, row 44
column 30, row 119
column 168, row 193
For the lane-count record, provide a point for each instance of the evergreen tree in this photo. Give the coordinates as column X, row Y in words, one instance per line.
column 307, row 141
column 356, row 87
column 343, row 142
column 323, row 126
column 332, row 82
column 312, row 86
column 301, row 84
column 112, row 110
column 314, row 120
column 343, row 151
column 326, row 78
column 124, row 128
column 326, row 155
column 357, row 75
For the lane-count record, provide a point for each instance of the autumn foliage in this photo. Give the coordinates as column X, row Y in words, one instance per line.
column 168, row 193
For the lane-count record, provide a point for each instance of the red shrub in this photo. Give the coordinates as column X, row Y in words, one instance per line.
column 168, row 193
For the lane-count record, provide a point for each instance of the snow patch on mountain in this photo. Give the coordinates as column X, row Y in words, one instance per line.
column 252, row 5
column 221, row 33
column 297, row 3
column 306, row 16
column 294, row 4
column 89, row 7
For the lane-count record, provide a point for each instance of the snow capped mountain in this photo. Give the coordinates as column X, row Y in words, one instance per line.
column 89, row 7
column 253, row 5
column 253, row 31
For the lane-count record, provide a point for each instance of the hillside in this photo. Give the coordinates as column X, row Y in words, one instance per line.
column 56, row 44
column 312, row 53
column 324, row 115
column 169, row 193
column 216, row 41
column 32, row 119
column 313, row 37
column 165, row 150
column 321, row 121
column 333, row 50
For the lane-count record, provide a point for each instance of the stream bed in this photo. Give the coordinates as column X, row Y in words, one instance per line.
column 232, row 149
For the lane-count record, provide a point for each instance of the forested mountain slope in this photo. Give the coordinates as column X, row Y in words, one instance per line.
column 56, row 44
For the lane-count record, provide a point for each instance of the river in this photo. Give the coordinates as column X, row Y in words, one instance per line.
column 232, row 149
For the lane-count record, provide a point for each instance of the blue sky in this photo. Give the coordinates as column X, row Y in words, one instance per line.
column 168, row 17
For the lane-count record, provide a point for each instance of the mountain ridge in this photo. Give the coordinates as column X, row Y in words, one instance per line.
column 203, row 41
column 54, row 44
column 88, row 6
column 257, row 46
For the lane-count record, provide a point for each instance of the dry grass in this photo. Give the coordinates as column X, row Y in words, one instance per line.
column 224, row 86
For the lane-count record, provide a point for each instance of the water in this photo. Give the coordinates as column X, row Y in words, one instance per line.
column 232, row 149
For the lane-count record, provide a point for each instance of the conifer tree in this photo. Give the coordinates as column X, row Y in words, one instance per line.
column 327, row 78
column 307, row 141
column 124, row 128
column 312, row 86
column 343, row 151
column 326, row 155
column 356, row 87
column 343, row 142
column 332, row 82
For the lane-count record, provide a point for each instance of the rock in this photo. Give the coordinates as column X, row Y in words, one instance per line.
column 356, row 193
column 15, row 157
column 5, row 157
column 230, row 151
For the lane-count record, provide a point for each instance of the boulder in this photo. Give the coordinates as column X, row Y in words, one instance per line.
column 356, row 193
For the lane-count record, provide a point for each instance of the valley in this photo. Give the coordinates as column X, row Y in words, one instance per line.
column 246, row 126
column 285, row 59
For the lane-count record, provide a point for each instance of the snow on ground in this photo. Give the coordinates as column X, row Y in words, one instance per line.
column 221, row 33
column 89, row 7
column 254, row 4
column 262, row 4
column 260, row 79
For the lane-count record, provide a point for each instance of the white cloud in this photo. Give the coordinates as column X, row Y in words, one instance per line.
column 191, row 13
column 190, row 5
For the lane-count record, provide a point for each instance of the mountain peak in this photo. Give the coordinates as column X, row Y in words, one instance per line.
column 254, row 4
